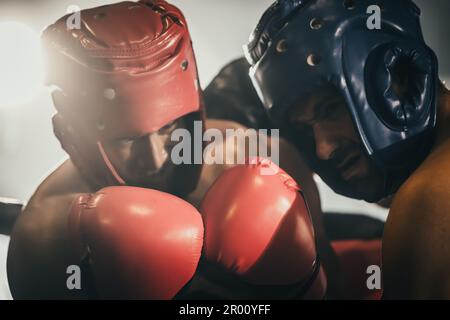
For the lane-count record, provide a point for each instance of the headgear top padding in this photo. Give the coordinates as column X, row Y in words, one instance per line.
column 300, row 45
column 129, row 70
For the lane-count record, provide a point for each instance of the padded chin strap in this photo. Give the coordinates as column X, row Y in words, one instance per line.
column 109, row 165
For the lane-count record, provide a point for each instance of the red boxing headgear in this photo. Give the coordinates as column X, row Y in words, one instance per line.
column 129, row 70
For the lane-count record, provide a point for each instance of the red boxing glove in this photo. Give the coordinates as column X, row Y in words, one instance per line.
column 258, row 227
column 143, row 244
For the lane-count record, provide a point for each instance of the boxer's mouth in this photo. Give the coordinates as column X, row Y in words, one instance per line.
column 348, row 166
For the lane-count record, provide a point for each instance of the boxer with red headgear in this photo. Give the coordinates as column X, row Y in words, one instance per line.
column 122, row 84
column 128, row 89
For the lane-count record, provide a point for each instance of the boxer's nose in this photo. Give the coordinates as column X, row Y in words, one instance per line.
column 157, row 152
column 151, row 153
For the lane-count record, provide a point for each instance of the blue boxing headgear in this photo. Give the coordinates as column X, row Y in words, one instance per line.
column 300, row 45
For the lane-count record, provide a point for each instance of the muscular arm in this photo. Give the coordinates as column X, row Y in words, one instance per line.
column 416, row 244
column 40, row 251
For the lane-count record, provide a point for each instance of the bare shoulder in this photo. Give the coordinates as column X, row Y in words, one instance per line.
column 416, row 250
column 49, row 203
column 39, row 242
column 426, row 191
column 64, row 180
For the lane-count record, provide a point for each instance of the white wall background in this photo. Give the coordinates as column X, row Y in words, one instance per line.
column 28, row 149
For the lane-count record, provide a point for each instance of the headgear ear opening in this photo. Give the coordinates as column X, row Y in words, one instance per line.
column 398, row 81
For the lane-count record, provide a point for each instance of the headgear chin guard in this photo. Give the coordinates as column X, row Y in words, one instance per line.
column 301, row 45
column 129, row 70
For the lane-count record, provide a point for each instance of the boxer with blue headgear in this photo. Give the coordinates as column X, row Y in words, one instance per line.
column 365, row 106
column 387, row 78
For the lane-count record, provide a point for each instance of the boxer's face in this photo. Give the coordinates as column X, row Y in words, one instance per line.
column 145, row 161
column 325, row 120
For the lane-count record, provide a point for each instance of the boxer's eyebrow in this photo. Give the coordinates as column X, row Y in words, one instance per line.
column 308, row 110
column 326, row 107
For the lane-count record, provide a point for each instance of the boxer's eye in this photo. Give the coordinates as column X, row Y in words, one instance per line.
column 327, row 111
column 124, row 141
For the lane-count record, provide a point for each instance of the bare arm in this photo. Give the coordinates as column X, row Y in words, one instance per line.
column 40, row 250
column 416, row 244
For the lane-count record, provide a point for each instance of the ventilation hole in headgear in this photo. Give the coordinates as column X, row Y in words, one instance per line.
column 316, row 23
column 99, row 15
column 313, row 59
column 174, row 19
column 349, row 4
column 100, row 125
column 157, row 8
column 166, row 24
column 160, row 9
column 282, row 46
column 109, row 94
column 184, row 65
